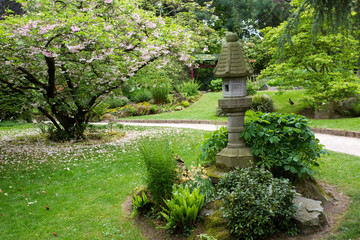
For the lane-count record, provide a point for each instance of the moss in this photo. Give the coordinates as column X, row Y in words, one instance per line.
column 215, row 224
column 215, row 173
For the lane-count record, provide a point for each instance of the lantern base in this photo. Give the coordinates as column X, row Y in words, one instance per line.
column 230, row 158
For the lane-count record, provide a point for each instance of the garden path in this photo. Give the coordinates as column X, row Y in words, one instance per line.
column 341, row 144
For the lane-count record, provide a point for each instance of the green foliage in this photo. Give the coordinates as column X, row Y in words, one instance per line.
column 212, row 144
column 250, row 89
column 115, row 101
column 351, row 107
column 185, row 103
column 262, row 103
column 324, row 66
column 189, row 88
column 63, row 66
column 141, row 95
column 13, row 106
column 284, row 143
column 140, row 204
column 183, row 207
column 97, row 111
column 245, row 17
column 160, row 164
column 216, row 85
column 257, row 204
column 160, row 93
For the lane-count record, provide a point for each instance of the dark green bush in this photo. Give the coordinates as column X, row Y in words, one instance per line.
column 213, row 143
column 262, row 103
column 283, row 142
column 14, row 106
column 216, row 85
column 190, row 88
column 160, row 93
column 250, row 89
column 160, row 174
column 257, row 204
column 351, row 107
column 141, row 95
column 115, row 101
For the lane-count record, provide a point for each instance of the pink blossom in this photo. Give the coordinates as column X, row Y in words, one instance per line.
column 75, row 29
column 150, row 25
column 76, row 48
column 184, row 57
column 108, row 1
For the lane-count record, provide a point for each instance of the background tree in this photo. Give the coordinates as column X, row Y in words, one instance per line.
column 323, row 66
column 65, row 55
column 247, row 16
column 9, row 7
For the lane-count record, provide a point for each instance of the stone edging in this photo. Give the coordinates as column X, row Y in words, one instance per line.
column 336, row 132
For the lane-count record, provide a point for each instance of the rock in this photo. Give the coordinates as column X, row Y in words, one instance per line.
column 215, row 224
column 310, row 216
column 107, row 117
column 265, row 87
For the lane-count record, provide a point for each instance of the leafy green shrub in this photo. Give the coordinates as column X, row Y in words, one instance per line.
column 283, row 142
column 55, row 134
column 160, row 165
column 160, row 93
column 190, row 88
column 216, row 85
column 257, row 204
column 141, row 95
column 96, row 113
column 14, row 106
column 140, row 204
column 115, row 101
column 185, row 103
column 213, row 143
column 250, row 89
column 262, row 103
column 183, row 207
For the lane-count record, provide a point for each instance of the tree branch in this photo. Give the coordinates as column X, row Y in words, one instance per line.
column 49, row 117
column 32, row 78
column 51, row 74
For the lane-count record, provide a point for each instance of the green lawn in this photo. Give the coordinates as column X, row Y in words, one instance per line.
column 205, row 109
column 85, row 184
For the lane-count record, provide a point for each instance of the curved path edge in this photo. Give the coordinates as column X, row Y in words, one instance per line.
column 334, row 140
column 329, row 131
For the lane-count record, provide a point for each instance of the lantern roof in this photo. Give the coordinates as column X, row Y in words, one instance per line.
column 232, row 60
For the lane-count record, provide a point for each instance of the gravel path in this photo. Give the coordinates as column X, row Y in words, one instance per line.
column 334, row 143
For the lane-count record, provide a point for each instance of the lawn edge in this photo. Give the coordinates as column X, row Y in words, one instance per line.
column 330, row 131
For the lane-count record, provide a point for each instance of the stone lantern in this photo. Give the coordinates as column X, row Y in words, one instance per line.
column 234, row 68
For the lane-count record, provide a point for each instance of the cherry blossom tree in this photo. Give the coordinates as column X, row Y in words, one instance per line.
column 65, row 55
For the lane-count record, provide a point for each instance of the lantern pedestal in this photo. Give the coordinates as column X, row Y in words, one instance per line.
column 236, row 154
column 230, row 158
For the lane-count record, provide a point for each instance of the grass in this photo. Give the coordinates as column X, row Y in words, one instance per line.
column 350, row 124
column 205, row 109
column 343, row 171
column 14, row 124
column 85, row 184
column 281, row 101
